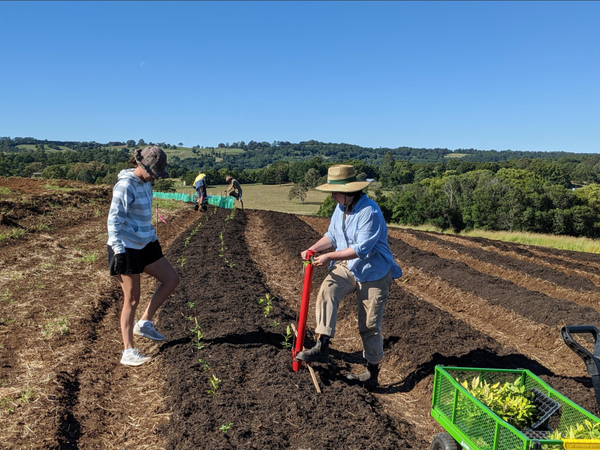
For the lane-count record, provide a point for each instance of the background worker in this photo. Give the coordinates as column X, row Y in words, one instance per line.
column 133, row 248
column 234, row 189
column 362, row 263
column 200, row 184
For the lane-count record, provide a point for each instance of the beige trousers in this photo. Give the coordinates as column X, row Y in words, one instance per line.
column 371, row 298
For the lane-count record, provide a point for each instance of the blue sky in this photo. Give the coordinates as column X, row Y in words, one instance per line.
column 485, row 75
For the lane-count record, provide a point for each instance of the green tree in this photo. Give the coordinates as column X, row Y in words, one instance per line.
column 85, row 176
column 164, row 185
column 298, row 191
column 54, row 172
column 311, row 177
column 386, row 168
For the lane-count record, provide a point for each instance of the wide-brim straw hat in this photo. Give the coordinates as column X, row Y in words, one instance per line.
column 342, row 178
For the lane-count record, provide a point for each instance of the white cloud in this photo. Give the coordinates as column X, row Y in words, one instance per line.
column 142, row 63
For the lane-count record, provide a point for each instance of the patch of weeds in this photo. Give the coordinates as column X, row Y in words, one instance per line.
column 6, row 401
column 4, row 321
column 58, row 326
column 28, row 395
column 215, row 383
column 43, row 227
column 90, row 258
column 287, row 336
column 4, row 191
column 59, row 188
column 12, row 234
column 5, row 295
column 225, row 427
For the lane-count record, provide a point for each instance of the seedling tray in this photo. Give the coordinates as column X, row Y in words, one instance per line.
column 475, row 427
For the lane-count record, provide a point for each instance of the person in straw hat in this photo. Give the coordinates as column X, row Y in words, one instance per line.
column 362, row 263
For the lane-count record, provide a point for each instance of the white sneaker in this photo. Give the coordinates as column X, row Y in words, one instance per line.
column 148, row 331
column 134, row 358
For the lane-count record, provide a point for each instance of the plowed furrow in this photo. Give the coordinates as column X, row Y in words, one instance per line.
column 554, row 260
column 523, row 277
column 497, row 291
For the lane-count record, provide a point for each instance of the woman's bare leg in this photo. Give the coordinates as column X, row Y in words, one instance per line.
column 163, row 271
column 130, row 284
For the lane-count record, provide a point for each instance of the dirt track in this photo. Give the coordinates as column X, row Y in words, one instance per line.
column 466, row 302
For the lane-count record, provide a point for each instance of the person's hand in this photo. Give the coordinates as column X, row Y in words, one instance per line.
column 303, row 255
column 119, row 263
column 323, row 259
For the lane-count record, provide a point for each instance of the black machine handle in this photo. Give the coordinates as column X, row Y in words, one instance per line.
column 591, row 360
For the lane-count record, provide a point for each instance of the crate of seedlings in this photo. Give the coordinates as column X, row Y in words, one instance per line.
column 506, row 409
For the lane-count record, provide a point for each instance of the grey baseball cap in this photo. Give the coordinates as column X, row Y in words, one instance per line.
column 153, row 160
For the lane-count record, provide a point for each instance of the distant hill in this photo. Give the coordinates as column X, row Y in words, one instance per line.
column 256, row 155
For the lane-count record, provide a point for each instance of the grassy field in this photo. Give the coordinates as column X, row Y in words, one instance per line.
column 186, row 152
column 270, row 197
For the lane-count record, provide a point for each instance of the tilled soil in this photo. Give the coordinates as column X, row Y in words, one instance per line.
column 461, row 301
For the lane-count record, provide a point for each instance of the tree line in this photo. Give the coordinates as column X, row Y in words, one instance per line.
column 557, row 195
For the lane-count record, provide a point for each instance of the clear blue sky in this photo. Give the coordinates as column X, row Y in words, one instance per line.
column 485, row 75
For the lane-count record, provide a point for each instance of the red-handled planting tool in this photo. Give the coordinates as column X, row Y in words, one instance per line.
column 308, row 274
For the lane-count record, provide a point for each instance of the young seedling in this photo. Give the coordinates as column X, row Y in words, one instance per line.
column 267, row 308
column 205, row 366
column 190, row 304
column 275, row 324
column 214, row 382
column 199, row 335
column 225, row 428
column 287, row 336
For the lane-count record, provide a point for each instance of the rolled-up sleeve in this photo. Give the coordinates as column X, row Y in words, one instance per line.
column 368, row 232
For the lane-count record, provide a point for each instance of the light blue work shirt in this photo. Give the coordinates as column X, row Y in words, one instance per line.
column 365, row 231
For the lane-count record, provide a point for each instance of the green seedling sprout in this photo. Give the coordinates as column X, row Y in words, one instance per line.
column 199, row 335
column 214, row 382
column 205, row 366
column 225, row 428
column 190, row 304
column 267, row 304
column 275, row 324
column 287, row 336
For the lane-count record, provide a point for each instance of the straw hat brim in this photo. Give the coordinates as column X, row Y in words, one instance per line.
column 354, row 186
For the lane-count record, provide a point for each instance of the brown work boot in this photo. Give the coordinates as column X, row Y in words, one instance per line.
column 368, row 379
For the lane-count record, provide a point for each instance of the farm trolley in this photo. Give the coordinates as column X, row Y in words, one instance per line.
column 470, row 425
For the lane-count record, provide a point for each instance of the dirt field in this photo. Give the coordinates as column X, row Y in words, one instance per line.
column 465, row 302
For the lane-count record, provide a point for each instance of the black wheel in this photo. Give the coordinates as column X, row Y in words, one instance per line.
column 444, row 441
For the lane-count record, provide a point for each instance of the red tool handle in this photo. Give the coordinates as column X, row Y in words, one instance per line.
column 308, row 274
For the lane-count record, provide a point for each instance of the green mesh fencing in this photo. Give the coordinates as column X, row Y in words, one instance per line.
column 216, row 200
column 174, row 196
column 469, row 421
column 221, row 201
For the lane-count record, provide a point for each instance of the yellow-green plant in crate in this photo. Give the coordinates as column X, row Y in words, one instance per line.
column 512, row 402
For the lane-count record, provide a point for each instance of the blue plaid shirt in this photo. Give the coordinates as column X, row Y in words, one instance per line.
column 365, row 231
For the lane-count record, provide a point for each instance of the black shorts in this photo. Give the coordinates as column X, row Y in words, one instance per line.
column 136, row 260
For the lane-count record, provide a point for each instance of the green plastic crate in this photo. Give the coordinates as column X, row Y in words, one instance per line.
column 476, row 427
